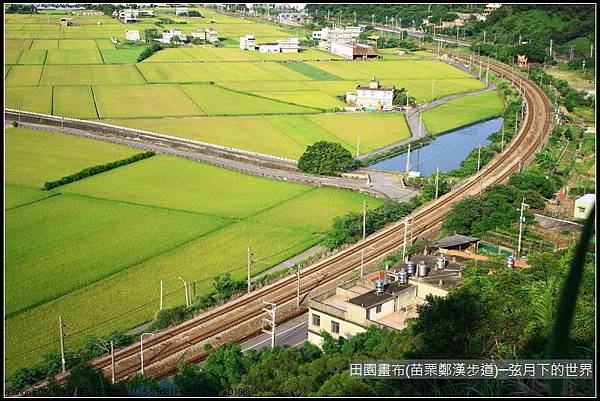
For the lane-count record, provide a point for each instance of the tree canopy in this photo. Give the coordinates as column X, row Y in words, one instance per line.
column 325, row 158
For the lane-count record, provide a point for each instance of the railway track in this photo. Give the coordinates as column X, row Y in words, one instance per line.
column 166, row 349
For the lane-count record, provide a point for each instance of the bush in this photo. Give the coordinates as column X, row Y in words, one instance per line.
column 15, row 124
column 325, row 158
column 170, row 316
column 536, row 181
column 150, row 51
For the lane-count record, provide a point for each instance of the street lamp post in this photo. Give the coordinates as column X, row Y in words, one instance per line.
column 142, row 349
column 187, row 299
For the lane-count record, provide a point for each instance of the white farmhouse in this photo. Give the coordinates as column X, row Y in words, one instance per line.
column 172, row 33
column 289, row 45
column 583, row 206
column 133, row 35
column 269, row 48
column 372, row 96
column 248, row 42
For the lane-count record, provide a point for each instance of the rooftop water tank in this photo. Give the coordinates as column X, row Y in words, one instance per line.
column 379, row 286
column 422, row 268
column 410, row 267
column 440, row 262
column 402, row 277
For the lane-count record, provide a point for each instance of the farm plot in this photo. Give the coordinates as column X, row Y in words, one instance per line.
column 143, row 101
column 91, row 75
column 16, row 196
column 252, row 133
column 373, row 131
column 74, row 101
column 33, row 98
column 34, row 157
column 74, row 57
column 32, row 57
column 314, row 98
column 45, row 44
column 16, row 44
column 105, row 44
column 23, row 75
column 218, row 101
column 69, row 236
column 173, row 183
column 313, row 71
column 76, row 44
column 332, row 88
column 120, row 56
column 215, row 71
column 461, row 111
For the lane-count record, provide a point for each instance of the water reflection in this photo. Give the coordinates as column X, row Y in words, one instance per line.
column 447, row 150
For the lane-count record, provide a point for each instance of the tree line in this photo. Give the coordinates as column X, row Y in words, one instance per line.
column 87, row 172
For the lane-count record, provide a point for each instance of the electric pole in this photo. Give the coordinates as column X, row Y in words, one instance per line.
column 364, row 219
column 478, row 156
column 437, row 172
column 408, row 160
column 298, row 289
column 551, row 49
column 487, row 72
column 502, row 140
column 112, row 360
column 249, row 268
column 271, row 322
column 404, row 241
column 62, row 343
column 187, row 299
column 521, row 221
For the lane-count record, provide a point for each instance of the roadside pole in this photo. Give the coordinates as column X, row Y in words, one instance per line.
column 62, row 343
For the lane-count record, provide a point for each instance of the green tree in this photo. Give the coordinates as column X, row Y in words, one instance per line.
column 190, row 381
column 325, row 158
column 86, row 380
column 342, row 385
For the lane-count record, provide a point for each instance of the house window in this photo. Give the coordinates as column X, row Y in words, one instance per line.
column 378, row 309
column 581, row 209
column 316, row 320
column 335, row 327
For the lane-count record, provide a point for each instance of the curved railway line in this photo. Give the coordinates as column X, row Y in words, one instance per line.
column 163, row 351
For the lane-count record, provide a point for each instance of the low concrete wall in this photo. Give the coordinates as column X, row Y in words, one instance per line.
column 557, row 225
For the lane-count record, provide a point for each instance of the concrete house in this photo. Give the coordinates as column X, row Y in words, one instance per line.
column 290, row 45
column 372, row 96
column 248, row 42
column 352, row 51
column 385, row 299
column 133, row 35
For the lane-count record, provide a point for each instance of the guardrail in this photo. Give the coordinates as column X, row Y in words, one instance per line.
column 61, row 120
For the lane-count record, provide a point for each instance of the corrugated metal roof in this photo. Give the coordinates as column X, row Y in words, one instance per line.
column 454, row 240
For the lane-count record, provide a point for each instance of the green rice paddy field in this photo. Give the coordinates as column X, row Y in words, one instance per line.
column 97, row 248
column 77, row 71
column 462, row 111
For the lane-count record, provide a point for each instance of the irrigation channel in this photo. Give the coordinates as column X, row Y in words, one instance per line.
column 447, row 151
column 242, row 317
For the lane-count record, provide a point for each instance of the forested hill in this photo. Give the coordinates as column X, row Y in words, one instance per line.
column 565, row 24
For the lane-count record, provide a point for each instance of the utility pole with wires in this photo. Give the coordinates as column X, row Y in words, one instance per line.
column 364, row 219
column 408, row 160
column 62, row 343
column 298, row 287
column 250, row 254
column 502, row 139
column 521, row 221
column 270, row 322
column 479, row 157
column 185, row 287
column 437, row 173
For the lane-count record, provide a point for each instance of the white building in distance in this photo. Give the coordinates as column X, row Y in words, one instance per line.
column 208, row 35
column 133, row 35
column 348, row 34
column 290, row 45
column 181, row 11
column 373, row 96
column 269, row 48
column 172, row 33
column 353, row 51
column 248, row 42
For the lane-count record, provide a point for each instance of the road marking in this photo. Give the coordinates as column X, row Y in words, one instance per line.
column 277, row 334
